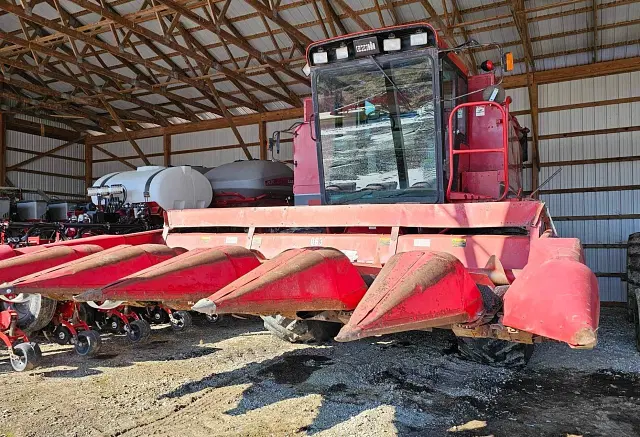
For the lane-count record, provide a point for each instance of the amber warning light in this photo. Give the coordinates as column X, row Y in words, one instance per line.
column 508, row 61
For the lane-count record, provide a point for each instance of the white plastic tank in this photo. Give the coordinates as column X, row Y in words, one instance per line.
column 252, row 178
column 170, row 187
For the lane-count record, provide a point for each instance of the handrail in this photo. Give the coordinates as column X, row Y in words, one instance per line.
column 504, row 110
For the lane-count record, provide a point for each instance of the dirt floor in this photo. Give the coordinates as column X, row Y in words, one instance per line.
column 235, row 379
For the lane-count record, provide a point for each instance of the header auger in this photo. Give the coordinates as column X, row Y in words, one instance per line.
column 409, row 215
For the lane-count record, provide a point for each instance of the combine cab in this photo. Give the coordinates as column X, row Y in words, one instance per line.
column 409, row 215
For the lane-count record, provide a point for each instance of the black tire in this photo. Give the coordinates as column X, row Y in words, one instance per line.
column 87, row 314
column 181, row 321
column 301, row 331
column 139, row 331
column 158, row 316
column 25, row 357
column 100, row 322
column 88, row 343
column 633, row 274
column 35, row 314
column 36, row 348
column 494, row 352
column 61, row 335
column 213, row 318
column 115, row 325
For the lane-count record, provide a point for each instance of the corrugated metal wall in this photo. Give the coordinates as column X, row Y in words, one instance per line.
column 66, row 162
column 604, row 239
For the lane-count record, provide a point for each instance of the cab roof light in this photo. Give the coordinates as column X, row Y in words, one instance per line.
column 342, row 52
column 320, row 57
column 392, row 44
column 419, row 39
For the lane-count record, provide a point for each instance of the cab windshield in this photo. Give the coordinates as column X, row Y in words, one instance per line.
column 377, row 131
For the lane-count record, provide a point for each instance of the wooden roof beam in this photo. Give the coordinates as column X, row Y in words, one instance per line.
column 352, row 14
column 124, row 130
column 190, row 39
column 299, row 39
column 152, row 109
column 458, row 16
column 152, row 36
column 117, row 158
column 99, row 70
column 241, row 43
column 53, row 106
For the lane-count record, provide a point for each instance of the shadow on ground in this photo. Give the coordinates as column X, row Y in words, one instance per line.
column 118, row 351
column 431, row 389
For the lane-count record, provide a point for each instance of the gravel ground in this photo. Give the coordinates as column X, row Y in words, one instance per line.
column 235, row 379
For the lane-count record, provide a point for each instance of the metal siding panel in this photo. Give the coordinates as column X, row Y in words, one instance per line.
column 28, row 142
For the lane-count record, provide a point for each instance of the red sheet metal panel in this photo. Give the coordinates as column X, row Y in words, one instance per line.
column 16, row 267
column 184, row 278
column 473, row 251
column 462, row 215
column 7, row 251
column 97, row 270
column 108, row 241
column 415, row 290
column 556, row 296
column 297, row 280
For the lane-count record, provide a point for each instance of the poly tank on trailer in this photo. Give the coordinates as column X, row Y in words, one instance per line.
column 170, row 187
column 252, row 178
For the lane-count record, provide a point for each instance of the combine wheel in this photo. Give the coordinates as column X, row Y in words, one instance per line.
column 61, row 335
column 180, row 321
column 25, row 357
column 88, row 343
column 494, row 352
column 301, row 331
column 138, row 331
column 633, row 275
column 35, row 313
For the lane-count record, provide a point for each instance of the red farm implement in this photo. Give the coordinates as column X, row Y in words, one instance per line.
column 409, row 215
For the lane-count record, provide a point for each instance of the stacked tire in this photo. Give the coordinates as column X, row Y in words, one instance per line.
column 633, row 283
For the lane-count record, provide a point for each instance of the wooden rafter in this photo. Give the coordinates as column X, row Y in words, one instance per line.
column 457, row 16
column 124, row 130
column 299, row 39
column 243, row 45
column 117, row 158
column 229, row 117
column 352, row 14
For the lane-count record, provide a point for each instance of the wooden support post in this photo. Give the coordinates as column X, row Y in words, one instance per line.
column 264, row 142
column 533, row 104
column 166, row 147
column 88, row 166
column 3, row 149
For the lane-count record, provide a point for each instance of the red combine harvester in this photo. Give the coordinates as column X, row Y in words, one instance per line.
column 409, row 215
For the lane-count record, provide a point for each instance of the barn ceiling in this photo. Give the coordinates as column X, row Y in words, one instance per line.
column 108, row 66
